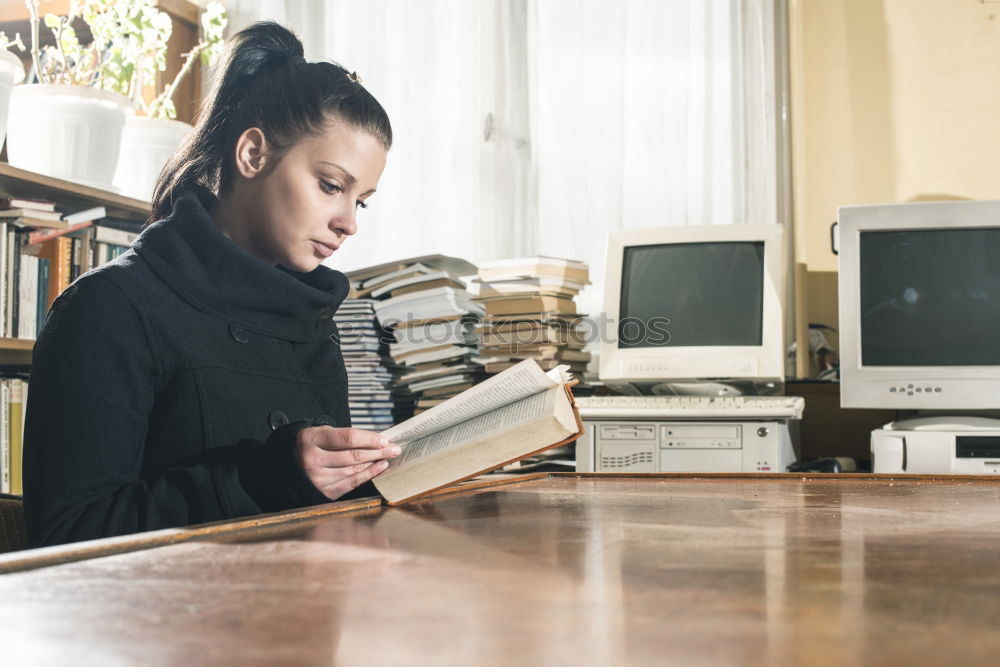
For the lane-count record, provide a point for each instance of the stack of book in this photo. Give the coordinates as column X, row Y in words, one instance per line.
column 43, row 250
column 375, row 403
column 424, row 303
column 530, row 313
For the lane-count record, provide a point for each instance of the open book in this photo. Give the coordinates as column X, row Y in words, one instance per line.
column 514, row 414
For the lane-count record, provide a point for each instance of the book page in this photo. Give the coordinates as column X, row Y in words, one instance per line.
column 517, row 382
column 474, row 429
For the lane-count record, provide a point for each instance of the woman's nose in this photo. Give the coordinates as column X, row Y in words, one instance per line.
column 345, row 224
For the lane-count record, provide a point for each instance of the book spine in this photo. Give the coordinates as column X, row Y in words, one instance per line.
column 94, row 213
column 16, row 434
column 65, row 263
column 24, row 420
column 3, row 280
column 30, row 306
column 34, row 204
column 113, row 236
column 75, row 257
column 86, row 250
column 24, row 297
column 8, row 329
column 4, row 438
column 43, row 292
column 15, row 286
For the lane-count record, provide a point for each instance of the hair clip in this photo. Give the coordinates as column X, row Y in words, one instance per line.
column 353, row 76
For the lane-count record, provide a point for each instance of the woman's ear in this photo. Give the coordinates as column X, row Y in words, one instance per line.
column 251, row 152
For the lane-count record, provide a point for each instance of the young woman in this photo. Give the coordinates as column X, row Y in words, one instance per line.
column 198, row 376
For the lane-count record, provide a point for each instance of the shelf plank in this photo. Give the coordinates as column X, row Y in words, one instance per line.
column 17, row 344
column 67, row 195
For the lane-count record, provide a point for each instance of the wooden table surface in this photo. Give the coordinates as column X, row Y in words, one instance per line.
column 542, row 570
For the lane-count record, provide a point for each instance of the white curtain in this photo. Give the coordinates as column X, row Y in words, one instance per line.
column 538, row 126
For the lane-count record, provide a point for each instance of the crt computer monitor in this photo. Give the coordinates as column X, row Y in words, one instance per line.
column 920, row 305
column 693, row 303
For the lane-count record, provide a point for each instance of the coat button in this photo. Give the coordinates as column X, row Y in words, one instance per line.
column 239, row 334
column 323, row 420
column 325, row 313
column 277, row 419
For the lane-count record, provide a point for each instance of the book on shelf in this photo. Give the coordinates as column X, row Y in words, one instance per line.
column 405, row 273
column 532, row 333
column 5, row 450
column 93, row 213
column 42, row 294
column 513, row 415
column 32, row 222
column 18, row 390
column 11, row 277
column 113, row 236
column 13, row 395
column 51, row 220
column 27, row 293
column 76, row 257
column 25, row 215
column 395, row 268
column 534, row 267
column 4, row 297
column 545, row 364
column 24, row 202
column 36, row 236
column 525, row 305
column 561, row 352
column 536, row 285
column 58, row 252
column 417, row 283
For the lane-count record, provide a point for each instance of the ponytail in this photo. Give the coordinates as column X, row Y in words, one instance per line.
column 265, row 82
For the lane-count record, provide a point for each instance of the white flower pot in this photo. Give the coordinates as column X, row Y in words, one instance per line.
column 70, row 132
column 11, row 72
column 147, row 144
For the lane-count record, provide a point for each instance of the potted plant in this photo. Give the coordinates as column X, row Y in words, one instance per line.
column 153, row 134
column 11, row 72
column 70, row 123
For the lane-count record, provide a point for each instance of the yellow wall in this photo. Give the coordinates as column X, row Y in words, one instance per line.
column 892, row 100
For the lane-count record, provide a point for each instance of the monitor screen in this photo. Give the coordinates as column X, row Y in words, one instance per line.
column 692, row 294
column 930, row 297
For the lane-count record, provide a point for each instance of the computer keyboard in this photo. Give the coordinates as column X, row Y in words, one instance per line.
column 691, row 407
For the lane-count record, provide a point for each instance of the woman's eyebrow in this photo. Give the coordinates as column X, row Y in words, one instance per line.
column 347, row 176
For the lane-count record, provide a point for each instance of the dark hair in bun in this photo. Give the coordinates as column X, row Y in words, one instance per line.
column 264, row 81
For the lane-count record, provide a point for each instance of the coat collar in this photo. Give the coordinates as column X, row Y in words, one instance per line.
column 217, row 277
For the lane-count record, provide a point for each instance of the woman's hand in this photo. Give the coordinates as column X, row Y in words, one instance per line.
column 337, row 460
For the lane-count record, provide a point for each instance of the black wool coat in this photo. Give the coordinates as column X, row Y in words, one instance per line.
column 168, row 385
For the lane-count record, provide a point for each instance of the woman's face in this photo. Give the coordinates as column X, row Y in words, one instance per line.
column 298, row 211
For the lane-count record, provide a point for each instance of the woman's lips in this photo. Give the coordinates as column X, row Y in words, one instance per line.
column 324, row 249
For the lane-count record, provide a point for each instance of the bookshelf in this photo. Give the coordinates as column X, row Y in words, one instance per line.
column 67, row 196
column 16, row 350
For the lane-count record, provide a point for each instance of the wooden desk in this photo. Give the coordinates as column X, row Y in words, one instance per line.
column 544, row 569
